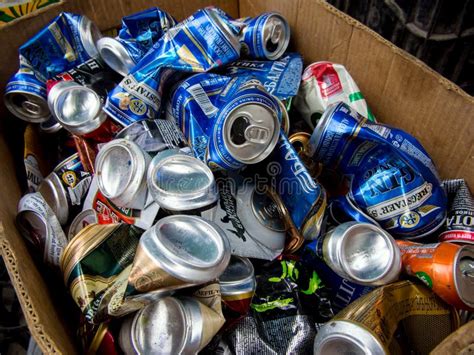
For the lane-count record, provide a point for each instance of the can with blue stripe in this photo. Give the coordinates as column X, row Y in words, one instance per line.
column 229, row 122
column 391, row 177
column 202, row 42
column 266, row 36
column 138, row 34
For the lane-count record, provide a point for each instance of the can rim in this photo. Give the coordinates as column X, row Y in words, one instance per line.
column 58, row 194
column 79, row 218
column 284, row 46
column 14, row 109
column 248, row 279
column 464, row 251
column 115, row 55
column 89, row 34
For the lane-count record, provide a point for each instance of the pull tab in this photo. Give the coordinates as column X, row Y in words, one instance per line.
column 257, row 134
column 31, row 107
column 466, row 265
column 277, row 31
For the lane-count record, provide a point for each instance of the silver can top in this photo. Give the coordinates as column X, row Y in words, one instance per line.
column 32, row 226
column 121, row 167
column 89, row 34
column 78, row 108
column 180, row 182
column 189, row 248
column 27, row 106
column 238, row 277
column 81, row 221
column 55, row 196
column 341, row 337
column 276, row 36
column 251, row 132
column 266, row 212
column 115, row 55
column 464, row 274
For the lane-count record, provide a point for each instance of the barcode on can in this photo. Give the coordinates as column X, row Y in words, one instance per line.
column 380, row 130
column 202, row 100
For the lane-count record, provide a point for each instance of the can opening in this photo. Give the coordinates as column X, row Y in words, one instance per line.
column 237, row 132
column 466, row 265
column 116, row 171
column 77, row 106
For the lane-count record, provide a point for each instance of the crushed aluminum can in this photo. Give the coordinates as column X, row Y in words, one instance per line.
column 280, row 77
column 81, row 221
column 155, row 136
column 66, row 187
column 326, row 83
column 230, row 122
column 139, row 95
column 121, row 168
column 136, row 37
column 40, row 226
column 181, row 183
column 369, row 324
column 362, row 253
column 446, row 268
column 178, row 251
column 265, row 36
column 460, row 221
column 391, row 178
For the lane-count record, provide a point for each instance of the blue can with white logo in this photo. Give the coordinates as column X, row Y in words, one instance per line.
column 265, row 37
column 302, row 195
column 137, row 36
column 202, row 42
column 229, row 122
column 391, row 177
column 279, row 77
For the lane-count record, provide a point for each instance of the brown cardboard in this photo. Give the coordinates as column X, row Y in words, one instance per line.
column 399, row 89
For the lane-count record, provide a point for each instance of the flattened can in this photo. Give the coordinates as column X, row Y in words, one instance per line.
column 81, row 221
column 265, row 36
column 362, row 253
column 66, row 187
column 121, row 168
column 446, row 268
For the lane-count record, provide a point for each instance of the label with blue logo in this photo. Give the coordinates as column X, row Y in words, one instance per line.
column 26, row 81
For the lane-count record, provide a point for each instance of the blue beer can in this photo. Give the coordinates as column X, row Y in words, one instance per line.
column 279, row 77
column 265, row 37
column 229, row 122
column 202, row 42
column 138, row 34
column 391, row 177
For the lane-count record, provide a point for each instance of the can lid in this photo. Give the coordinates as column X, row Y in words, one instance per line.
column 266, row 211
column 55, row 196
column 78, row 109
column 189, row 248
column 321, row 127
column 275, row 36
column 33, row 226
column 81, row 221
column 50, row 126
column 238, row 277
column 464, row 274
column 251, row 132
column 180, row 182
column 27, row 106
column 343, row 337
column 115, row 55
column 90, row 34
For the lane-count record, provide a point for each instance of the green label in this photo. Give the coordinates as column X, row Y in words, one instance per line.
column 423, row 276
column 279, row 303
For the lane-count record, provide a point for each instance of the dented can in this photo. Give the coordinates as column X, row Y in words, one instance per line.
column 265, row 36
column 121, row 168
column 446, row 268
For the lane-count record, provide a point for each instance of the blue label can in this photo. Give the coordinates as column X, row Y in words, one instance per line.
column 229, row 122
column 265, row 37
column 391, row 177
column 279, row 77
column 201, row 42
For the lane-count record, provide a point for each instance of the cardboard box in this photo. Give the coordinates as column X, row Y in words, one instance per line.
column 401, row 91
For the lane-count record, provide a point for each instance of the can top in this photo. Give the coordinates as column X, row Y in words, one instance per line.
column 81, row 221
column 276, row 36
column 54, row 194
column 188, row 247
column 266, row 211
column 464, row 274
column 238, row 277
column 180, row 182
column 343, row 337
column 32, row 226
column 251, row 132
column 27, row 106
column 90, row 34
column 115, row 55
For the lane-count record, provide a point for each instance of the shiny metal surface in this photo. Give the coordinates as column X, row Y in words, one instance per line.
column 276, row 36
column 342, row 337
column 188, row 247
column 115, row 55
column 27, row 106
column 251, row 132
column 81, row 221
column 238, row 277
column 90, row 34
column 121, row 167
column 50, row 126
column 180, row 182
column 55, row 196
column 464, row 274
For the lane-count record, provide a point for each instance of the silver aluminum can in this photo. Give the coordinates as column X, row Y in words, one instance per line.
column 115, row 55
column 168, row 326
column 121, row 167
column 238, row 278
column 179, row 251
column 180, row 182
column 55, row 195
column 343, row 337
column 362, row 253
column 28, row 106
column 81, row 221
column 89, row 34
column 77, row 108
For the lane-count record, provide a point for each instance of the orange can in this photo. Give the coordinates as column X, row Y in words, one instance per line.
column 446, row 268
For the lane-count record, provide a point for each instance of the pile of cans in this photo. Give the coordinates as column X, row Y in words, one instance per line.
column 207, row 194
